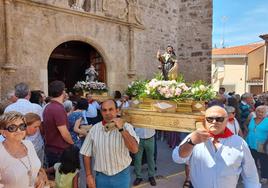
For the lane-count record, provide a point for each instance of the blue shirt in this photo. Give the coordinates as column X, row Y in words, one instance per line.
column 221, row 168
column 1, row 138
column 257, row 134
column 72, row 119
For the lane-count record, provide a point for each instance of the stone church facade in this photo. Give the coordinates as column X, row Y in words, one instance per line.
column 125, row 33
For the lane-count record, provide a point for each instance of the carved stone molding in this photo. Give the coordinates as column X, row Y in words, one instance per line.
column 134, row 12
column 10, row 68
column 123, row 9
column 115, row 8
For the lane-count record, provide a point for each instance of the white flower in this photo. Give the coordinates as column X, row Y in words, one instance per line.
column 193, row 90
column 147, row 92
column 202, row 88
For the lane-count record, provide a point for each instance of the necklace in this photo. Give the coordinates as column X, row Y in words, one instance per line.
column 28, row 168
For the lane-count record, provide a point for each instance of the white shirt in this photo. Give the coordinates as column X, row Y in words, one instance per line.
column 221, row 168
column 108, row 149
column 125, row 105
column 234, row 127
column 144, row 133
column 92, row 109
column 24, row 106
column 13, row 173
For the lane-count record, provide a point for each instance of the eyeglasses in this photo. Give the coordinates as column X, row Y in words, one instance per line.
column 217, row 119
column 13, row 128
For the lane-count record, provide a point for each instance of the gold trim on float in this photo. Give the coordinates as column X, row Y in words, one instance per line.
column 180, row 122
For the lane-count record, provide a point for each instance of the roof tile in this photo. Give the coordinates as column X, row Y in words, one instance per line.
column 237, row 50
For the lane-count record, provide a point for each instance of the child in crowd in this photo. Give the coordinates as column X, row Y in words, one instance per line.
column 66, row 172
column 33, row 133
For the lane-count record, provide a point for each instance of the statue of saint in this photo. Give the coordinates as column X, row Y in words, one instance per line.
column 169, row 63
column 78, row 5
column 91, row 74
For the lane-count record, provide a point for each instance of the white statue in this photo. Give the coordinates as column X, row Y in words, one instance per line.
column 78, row 5
column 91, row 74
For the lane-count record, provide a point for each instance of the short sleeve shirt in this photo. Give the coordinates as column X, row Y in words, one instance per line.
column 64, row 180
column 54, row 116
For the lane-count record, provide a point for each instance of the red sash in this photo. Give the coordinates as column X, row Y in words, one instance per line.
column 90, row 101
column 227, row 133
column 103, row 122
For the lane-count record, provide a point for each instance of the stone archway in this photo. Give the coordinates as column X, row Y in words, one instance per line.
column 69, row 60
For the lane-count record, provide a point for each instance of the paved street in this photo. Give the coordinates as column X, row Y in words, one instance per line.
column 169, row 174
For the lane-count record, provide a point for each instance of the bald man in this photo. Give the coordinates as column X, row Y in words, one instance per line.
column 216, row 156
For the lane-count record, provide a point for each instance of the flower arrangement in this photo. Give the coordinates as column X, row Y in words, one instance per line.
column 166, row 89
column 176, row 90
column 200, row 91
column 96, row 86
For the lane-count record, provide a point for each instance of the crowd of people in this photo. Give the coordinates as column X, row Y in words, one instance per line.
column 59, row 136
column 234, row 142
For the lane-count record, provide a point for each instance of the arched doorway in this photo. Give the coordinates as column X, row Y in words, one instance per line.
column 69, row 60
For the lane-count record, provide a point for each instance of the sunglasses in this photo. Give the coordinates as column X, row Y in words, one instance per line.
column 217, row 119
column 13, row 128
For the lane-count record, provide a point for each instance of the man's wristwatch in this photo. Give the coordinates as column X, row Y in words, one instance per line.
column 189, row 141
column 120, row 130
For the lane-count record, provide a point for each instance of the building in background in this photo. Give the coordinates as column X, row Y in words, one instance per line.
column 44, row 40
column 239, row 68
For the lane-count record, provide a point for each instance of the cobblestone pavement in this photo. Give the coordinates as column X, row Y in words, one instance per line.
column 168, row 174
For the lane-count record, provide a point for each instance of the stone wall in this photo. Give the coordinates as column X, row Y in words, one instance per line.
column 37, row 27
column 187, row 26
column 195, row 39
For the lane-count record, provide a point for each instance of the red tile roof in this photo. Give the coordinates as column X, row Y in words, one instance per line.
column 237, row 50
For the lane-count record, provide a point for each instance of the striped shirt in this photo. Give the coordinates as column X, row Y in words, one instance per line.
column 108, row 149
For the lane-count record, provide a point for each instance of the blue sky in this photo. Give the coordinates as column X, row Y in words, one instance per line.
column 244, row 21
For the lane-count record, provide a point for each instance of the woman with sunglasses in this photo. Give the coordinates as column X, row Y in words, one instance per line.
column 19, row 164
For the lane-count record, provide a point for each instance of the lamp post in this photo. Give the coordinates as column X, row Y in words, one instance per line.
column 265, row 63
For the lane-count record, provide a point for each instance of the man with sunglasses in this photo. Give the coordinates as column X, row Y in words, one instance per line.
column 216, row 156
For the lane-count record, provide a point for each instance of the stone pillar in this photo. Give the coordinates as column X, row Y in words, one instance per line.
column 131, row 65
column 9, row 66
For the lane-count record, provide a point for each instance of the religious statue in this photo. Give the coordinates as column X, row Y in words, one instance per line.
column 91, row 74
column 169, row 63
column 78, row 5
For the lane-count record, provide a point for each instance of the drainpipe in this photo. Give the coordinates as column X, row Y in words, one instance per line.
column 265, row 70
column 246, row 74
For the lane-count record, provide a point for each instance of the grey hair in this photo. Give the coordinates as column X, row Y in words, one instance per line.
column 21, row 90
column 229, row 109
column 246, row 95
column 8, row 117
column 262, row 107
column 68, row 105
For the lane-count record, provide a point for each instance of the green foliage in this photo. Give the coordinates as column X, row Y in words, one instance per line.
column 158, row 76
column 136, row 88
column 180, row 79
column 201, row 91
